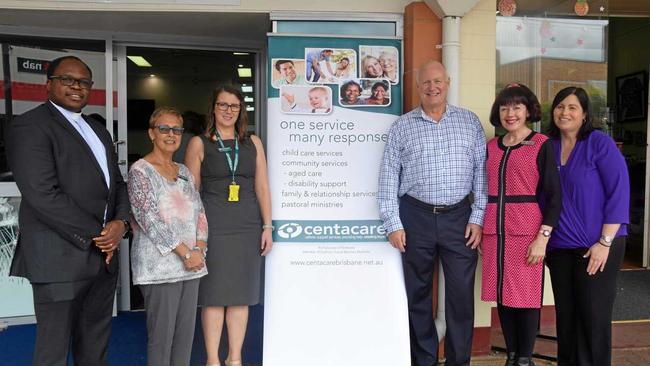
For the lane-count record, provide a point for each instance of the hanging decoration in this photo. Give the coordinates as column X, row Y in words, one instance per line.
column 581, row 7
column 507, row 8
column 545, row 30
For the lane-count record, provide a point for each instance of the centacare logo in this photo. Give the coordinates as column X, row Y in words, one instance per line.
column 329, row 231
column 289, row 230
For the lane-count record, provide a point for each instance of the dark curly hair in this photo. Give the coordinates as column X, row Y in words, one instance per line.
column 512, row 94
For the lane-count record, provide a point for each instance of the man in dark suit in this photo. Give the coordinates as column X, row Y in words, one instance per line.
column 72, row 217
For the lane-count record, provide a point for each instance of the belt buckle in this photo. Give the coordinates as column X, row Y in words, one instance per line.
column 437, row 209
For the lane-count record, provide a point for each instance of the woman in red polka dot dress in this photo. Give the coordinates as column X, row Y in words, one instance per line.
column 524, row 203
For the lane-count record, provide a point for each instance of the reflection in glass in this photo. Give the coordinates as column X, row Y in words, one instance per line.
column 548, row 54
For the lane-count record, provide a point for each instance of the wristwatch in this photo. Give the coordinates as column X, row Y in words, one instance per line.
column 204, row 253
column 545, row 233
column 127, row 228
column 607, row 239
column 187, row 255
column 264, row 227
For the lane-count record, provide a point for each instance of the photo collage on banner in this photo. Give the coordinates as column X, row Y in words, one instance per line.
column 331, row 102
column 306, row 84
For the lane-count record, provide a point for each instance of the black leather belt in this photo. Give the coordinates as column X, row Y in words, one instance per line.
column 514, row 199
column 436, row 209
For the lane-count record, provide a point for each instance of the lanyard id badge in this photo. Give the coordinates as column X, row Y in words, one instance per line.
column 233, row 192
column 233, row 188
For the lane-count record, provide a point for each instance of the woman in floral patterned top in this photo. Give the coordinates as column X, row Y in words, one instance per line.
column 169, row 242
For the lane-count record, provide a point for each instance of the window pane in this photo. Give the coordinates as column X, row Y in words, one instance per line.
column 343, row 28
column 548, row 54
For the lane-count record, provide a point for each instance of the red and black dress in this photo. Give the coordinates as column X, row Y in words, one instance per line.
column 523, row 194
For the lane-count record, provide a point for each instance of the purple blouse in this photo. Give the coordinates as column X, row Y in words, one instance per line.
column 595, row 191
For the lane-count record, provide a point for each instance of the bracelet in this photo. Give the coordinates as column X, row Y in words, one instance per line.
column 264, row 227
column 603, row 244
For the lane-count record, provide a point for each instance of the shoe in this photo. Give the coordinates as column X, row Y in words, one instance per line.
column 525, row 361
column 512, row 359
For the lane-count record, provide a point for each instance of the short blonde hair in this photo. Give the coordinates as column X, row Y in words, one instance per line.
column 160, row 111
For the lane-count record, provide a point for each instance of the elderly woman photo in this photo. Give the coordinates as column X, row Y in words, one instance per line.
column 586, row 249
column 388, row 62
column 229, row 167
column 169, row 242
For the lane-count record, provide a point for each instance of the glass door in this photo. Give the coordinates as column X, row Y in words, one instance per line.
column 148, row 77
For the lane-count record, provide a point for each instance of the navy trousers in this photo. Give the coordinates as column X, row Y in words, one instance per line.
column 429, row 235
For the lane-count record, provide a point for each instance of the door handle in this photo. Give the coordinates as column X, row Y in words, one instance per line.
column 119, row 142
column 121, row 162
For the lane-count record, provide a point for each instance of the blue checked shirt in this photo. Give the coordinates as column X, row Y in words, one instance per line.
column 437, row 163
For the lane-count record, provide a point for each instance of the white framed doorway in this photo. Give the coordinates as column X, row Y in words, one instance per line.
column 182, row 77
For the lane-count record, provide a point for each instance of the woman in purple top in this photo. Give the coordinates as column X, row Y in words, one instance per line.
column 586, row 249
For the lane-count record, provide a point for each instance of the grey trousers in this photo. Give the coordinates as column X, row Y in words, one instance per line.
column 171, row 315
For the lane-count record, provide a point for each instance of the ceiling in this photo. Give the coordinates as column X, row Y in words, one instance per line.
column 190, row 65
column 637, row 8
column 241, row 30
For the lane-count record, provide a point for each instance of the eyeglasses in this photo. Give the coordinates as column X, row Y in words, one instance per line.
column 224, row 106
column 70, row 81
column 164, row 129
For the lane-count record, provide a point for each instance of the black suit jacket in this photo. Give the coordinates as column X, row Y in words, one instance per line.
column 64, row 195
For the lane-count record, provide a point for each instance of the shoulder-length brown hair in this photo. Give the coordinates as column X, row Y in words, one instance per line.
column 241, row 126
column 512, row 94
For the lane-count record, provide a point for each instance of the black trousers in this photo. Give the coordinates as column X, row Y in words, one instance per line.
column 583, row 305
column 519, row 327
column 74, row 315
column 428, row 236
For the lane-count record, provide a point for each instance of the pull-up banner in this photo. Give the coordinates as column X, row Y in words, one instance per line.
column 334, row 290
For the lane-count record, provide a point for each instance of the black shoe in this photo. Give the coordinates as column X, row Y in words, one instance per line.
column 512, row 359
column 525, row 361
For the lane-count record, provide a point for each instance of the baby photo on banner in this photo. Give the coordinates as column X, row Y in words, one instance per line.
column 306, row 99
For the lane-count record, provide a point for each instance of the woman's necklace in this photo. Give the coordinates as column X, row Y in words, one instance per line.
column 511, row 140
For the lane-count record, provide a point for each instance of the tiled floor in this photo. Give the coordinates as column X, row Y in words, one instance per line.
column 620, row 357
column 630, row 341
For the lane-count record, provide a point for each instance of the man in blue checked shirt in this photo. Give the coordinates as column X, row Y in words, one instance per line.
column 433, row 162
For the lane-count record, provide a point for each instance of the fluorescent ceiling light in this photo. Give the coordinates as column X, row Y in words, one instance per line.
column 244, row 72
column 250, row 109
column 240, row 53
column 139, row 60
column 247, row 89
column 248, row 99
